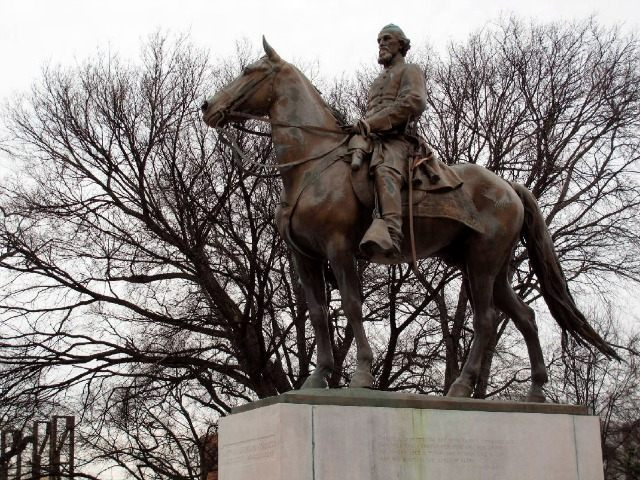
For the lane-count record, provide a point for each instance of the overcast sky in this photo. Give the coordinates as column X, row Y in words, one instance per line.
column 338, row 34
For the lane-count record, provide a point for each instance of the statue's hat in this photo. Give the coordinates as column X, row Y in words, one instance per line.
column 392, row 27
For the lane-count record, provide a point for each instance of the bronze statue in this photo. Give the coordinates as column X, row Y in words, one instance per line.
column 321, row 218
column 396, row 100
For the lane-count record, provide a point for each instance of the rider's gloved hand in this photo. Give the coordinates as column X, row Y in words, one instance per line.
column 361, row 127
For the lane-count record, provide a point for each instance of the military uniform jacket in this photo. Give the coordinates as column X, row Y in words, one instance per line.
column 397, row 96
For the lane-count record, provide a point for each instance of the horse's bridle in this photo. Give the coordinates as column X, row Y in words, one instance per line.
column 249, row 90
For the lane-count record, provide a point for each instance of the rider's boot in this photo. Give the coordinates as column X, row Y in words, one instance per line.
column 388, row 183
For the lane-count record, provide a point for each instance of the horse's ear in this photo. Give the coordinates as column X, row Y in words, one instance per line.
column 268, row 49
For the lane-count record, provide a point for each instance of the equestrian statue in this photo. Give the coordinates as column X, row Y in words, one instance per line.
column 463, row 214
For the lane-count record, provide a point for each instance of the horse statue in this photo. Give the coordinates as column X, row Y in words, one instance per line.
column 322, row 219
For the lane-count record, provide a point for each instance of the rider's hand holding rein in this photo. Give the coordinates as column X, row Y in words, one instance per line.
column 361, row 127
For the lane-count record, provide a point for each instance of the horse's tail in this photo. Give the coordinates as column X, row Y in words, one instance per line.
column 553, row 284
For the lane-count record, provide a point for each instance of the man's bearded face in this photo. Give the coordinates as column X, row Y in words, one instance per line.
column 388, row 47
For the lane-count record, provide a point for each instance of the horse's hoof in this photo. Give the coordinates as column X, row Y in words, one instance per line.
column 459, row 390
column 361, row 379
column 314, row 381
column 535, row 396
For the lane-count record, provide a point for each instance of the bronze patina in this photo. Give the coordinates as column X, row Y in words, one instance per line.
column 396, row 100
column 322, row 219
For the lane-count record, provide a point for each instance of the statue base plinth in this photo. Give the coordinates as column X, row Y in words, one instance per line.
column 368, row 435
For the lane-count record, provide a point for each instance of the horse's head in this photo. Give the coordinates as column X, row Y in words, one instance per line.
column 252, row 92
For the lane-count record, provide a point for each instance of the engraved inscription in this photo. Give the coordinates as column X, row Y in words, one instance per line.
column 442, row 450
column 254, row 450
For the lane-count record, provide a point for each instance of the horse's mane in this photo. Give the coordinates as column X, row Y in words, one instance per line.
column 339, row 115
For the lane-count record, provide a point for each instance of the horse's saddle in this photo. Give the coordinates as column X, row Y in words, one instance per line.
column 436, row 192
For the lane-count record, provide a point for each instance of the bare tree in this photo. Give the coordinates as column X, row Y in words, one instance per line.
column 146, row 290
column 555, row 107
column 140, row 258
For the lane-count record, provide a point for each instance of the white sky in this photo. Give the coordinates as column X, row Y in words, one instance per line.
column 338, row 34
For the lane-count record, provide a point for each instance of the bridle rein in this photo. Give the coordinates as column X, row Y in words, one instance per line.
column 249, row 90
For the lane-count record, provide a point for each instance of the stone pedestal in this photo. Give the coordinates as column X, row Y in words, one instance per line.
column 367, row 435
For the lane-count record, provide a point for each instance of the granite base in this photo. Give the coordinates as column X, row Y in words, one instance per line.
column 368, row 435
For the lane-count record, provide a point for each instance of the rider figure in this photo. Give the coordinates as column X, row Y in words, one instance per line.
column 396, row 100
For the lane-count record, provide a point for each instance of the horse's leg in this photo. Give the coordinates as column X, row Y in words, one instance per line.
column 311, row 276
column 344, row 268
column 481, row 277
column 524, row 319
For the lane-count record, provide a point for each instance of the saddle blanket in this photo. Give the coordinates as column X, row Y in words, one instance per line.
column 453, row 204
column 440, row 197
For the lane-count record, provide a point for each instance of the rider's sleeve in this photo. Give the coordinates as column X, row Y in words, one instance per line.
column 409, row 103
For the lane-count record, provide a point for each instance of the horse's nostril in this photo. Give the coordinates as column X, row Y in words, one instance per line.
column 204, row 106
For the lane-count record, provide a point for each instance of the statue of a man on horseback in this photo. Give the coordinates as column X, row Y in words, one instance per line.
column 322, row 215
column 396, row 100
